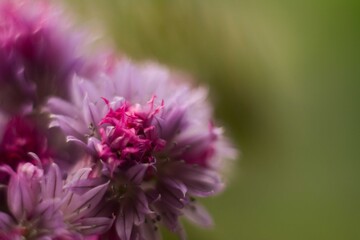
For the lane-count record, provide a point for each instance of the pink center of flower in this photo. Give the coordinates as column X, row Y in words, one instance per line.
column 130, row 135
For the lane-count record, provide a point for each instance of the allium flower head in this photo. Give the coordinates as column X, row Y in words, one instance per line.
column 40, row 206
column 22, row 141
column 38, row 53
column 27, row 216
column 153, row 137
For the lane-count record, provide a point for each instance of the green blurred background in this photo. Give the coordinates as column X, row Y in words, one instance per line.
column 284, row 77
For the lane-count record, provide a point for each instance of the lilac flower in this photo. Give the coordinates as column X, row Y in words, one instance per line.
column 38, row 54
column 153, row 137
column 41, row 207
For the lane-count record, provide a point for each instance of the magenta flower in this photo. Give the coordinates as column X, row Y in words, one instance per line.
column 41, row 207
column 153, row 137
column 38, row 54
column 22, row 141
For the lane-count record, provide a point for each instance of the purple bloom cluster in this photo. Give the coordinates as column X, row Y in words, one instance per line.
column 43, row 206
column 97, row 149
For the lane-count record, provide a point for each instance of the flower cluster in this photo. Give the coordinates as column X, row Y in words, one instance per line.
column 111, row 153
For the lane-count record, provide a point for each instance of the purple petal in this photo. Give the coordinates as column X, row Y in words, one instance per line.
column 85, row 203
column 198, row 215
column 173, row 192
column 48, row 211
column 90, row 146
column 68, row 124
column 53, row 182
column 76, row 141
column 14, row 196
column 7, row 169
column 59, row 106
column 124, row 224
column 142, row 203
column 80, row 174
column 153, row 196
column 90, row 112
column 169, row 215
column 149, row 231
column 96, row 225
column 6, row 222
column 199, row 181
column 181, row 232
column 84, row 185
column 136, row 173
column 174, row 122
column 139, row 206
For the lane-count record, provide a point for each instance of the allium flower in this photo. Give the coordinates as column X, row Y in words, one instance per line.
column 41, row 207
column 153, row 137
column 38, row 53
column 22, row 141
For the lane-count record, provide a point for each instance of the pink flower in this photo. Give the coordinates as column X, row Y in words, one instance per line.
column 40, row 206
column 22, row 141
column 153, row 137
column 38, row 54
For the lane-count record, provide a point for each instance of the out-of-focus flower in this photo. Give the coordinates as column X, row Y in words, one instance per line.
column 41, row 207
column 22, row 141
column 153, row 137
column 28, row 216
column 39, row 52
